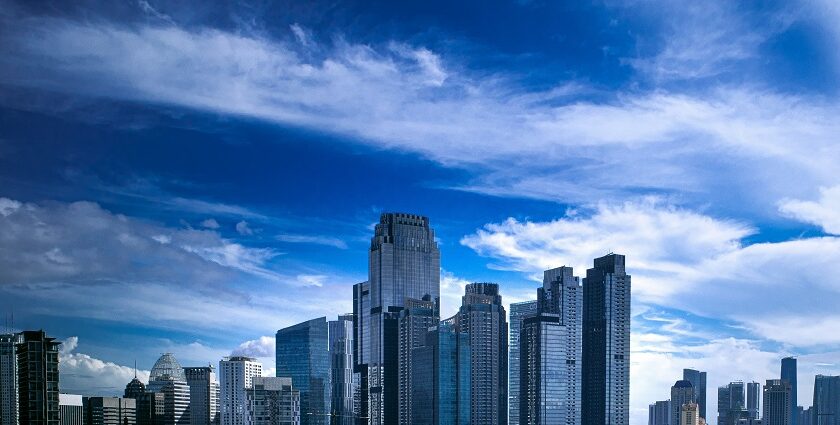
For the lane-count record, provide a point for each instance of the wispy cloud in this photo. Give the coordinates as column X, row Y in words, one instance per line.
column 313, row 239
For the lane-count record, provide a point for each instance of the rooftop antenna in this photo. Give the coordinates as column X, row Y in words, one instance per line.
column 135, row 368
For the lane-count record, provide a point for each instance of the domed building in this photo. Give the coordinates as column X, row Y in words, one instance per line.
column 135, row 389
column 168, row 378
column 166, row 368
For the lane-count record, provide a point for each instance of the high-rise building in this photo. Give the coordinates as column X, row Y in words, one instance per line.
column 440, row 391
column 236, row 374
column 659, row 413
column 550, row 353
column 482, row 316
column 273, row 401
column 8, row 379
column 204, row 395
column 37, row 371
column 806, row 416
column 341, row 363
column 732, row 404
column 71, row 409
column 518, row 311
column 753, row 397
column 690, row 414
column 415, row 320
column 826, row 407
column 303, row 354
column 167, row 378
column 788, row 373
column 698, row 380
column 682, row 393
column 404, row 262
column 110, row 411
column 776, row 402
column 606, row 343
column 361, row 351
column 149, row 405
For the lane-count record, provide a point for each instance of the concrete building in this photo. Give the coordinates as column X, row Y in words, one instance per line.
column 8, row 379
column 236, row 374
column 777, row 408
column 71, row 409
column 273, row 401
column 204, row 395
column 518, row 311
column 110, row 411
column 37, row 372
column 690, row 414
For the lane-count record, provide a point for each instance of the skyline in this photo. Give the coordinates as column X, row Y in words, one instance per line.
column 160, row 161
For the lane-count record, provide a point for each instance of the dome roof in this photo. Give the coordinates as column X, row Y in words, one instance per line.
column 167, row 368
column 135, row 388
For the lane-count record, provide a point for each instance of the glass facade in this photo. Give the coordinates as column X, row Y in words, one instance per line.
column 698, row 380
column 167, row 378
column 826, row 407
column 682, row 393
column 204, row 395
column 273, row 401
column 415, row 320
column 544, row 391
column 518, row 311
column 341, row 363
column 302, row 352
column 441, row 378
column 788, row 373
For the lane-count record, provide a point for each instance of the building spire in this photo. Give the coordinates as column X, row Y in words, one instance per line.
column 135, row 368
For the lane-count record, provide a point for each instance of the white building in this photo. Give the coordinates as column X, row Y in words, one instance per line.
column 8, row 379
column 236, row 374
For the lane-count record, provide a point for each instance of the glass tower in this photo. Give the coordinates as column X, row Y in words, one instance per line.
column 518, row 311
column 303, row 354
column 167, row 378
column 415, row 321
column 698, row 381
column 753, row 397
column 606, row 343
column 440, row 391
column 341, row 364
column 682, row 393
column 826, row 407
column 788, row 373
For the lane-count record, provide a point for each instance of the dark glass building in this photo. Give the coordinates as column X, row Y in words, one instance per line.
column 753, row 397
column 777, row 409
column 341, row 375
column 788, row 373
column 302, row 354
column 698, row 381
column 826, row 407
column 518, row 311
column 659, row 413
column 37, row 367
column 440, row 390
column 682, row 393
column 732, row 406
column 415, row 320
column 606, row 343
column 110, row 411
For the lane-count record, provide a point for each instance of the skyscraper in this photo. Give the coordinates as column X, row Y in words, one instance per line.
column 361, row 350
column 404, row 262
column 149, row 405
column 110, row 411
column 273, row 401
column 167, row 378
column 732, row 404
column 236, row 374
column 37, row 367
column 682, row 393
column 71, row 409
column 698, row 380
column 204, row 395
column 806, row 416
column 482, row 316
column 303, row 355
column 606, row 343
column 826, row 407
column 753, row 397
column 690, row 414
column 659, row 413
column 777, row 395
column 415, row 320
column 341, row 364
column 8, row 379
column 518, row 311
column 788, row 373
column 440, row 391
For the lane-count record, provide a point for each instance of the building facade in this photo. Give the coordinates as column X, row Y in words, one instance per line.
column 8, row 379
column 236, row 374
column 698, row 381
column 71, row 409
column 606, row 343
column 826, row 407
column 303, row 354
column 341, row 375
column 204, row 395
column 416, row 318
column 682, row 393
column 110, row 411
column 518, row 311
column 753, row 399
column 777, row 395
column 732, row 405
column 690, row 414
column 659, row 413
column 788, row 373
column 273, row 401
column 37, row 371
column 440, row 391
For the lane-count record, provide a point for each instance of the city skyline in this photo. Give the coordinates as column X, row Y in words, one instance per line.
column 190, row 178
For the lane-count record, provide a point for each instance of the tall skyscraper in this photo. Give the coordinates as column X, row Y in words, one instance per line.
column 698, row 380
column 404, row 262
column 8, row 379
column 341, row 364
column 303, row 354
column 361, row 351
column 753, row 397
column 110, row 411
column 550, row 353
column 732, row 404
column 236, row 374
column 788, row 373
column 440, row 391
column 690, row 414
column 204, row 395
column 806, row 416
column 826, row 407
column 682, row 393
column 482, row 316
column 659, row 413
column 37, row 367
column 606, row 343
column 273, row 401
column 415, row 320
column 518, row 311
column 777, row 395
column 71, row 409
column 167, row 378
column 149, row 405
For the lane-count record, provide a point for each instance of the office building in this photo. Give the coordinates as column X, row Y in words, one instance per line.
column 698, row 381
column 659, row 413
column 682, row 393
column 273, row 401
column 690, row 414
column 518, row 311
column 110, row 411
column 606, row 343
column 826, row 407
column 788, row 373
column 71, row 409
column 341, row 375
column 404, row 262
column 361, row 350
column 753, row 397
column 167, row 378
column 482, row 316
column 204, row 395
column 303, row 355
column 732, row 404
column 149, row 406
column 8, row 379
column 236, row 374
column 776, row 402
column 37, row 371
column 440, row 391
column 416, row 318
column 806, row 416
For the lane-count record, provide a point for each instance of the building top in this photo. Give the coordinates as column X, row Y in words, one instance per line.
column 167, row 368
column 240, row 359
column 70, row 399
column 682, row 383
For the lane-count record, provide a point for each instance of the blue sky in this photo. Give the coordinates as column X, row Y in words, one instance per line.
column 190, row 179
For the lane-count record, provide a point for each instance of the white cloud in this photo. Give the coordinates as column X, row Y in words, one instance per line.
column 824, row 213
column 262, row 347
column 8, row 206
column 210, row 223
column 312, row 279
column 313, row 239
column 83, row 374
column 243, row 229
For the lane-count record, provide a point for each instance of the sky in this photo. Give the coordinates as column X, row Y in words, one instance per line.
column 189, row 178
